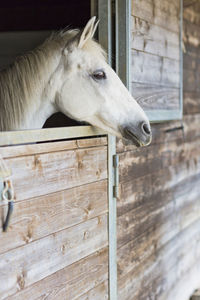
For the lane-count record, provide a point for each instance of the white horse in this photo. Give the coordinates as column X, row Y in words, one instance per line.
column 69, row 73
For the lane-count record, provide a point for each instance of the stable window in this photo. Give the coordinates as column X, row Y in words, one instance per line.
column 149, row 55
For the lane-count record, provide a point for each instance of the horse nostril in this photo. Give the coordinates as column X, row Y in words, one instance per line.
column 146, row 129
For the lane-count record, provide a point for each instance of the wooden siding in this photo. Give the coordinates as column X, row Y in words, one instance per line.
column 155, row 54
column 57, row 242
column 159, row 203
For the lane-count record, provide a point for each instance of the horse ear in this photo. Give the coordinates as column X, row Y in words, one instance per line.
column 88, row 32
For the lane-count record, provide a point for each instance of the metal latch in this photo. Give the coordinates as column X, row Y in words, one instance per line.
column 116, row 176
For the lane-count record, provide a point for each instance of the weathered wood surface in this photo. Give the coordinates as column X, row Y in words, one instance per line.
column 158, row 12
column 159, row 274
column 191, row 58
column 56, row 245
column 37, row 217
column 159, row 200
column 147, row 94
column 98, row 293
column 156, row 70
column 28, row 264
column 154, row 39
column 46, row 173
column 40, row 148
column 158, row 205
column 77, row 281
column 155, row 55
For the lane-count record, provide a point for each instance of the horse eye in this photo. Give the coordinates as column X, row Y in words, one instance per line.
column 99, row 75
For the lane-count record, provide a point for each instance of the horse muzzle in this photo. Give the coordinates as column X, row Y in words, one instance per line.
column 139, row 135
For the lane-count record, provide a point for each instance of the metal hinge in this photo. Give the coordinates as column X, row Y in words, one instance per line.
column 116, row 176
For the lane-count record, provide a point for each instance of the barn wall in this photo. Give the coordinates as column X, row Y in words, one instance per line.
column 56, row 246
column 159, row 203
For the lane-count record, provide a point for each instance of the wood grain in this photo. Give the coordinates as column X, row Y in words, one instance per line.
column 30, row 149
column 153, row 69
column 151, row 277
column 23, row 266
column 51, row 172
column 35, row 218
column 154, row 39
column 155, row 54
column 77, row 281
column 149, row 94
column 158, row 12
column 98, row 293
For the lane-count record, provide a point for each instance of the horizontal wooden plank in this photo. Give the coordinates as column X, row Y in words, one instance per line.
column 152, row 212
column 35, row 218
column 28, row 264
column 154, row 39
column 162, row 13
column 47, row 134
column 190, row 79
column 152, row 69
column 168, row 261
column 30, row 149
column 191, row 34
column 42, row 174
column 191, row 103
column 98, row 293
column 154, row 158
column 191, row 12
column 154, row 97
column 82, row 278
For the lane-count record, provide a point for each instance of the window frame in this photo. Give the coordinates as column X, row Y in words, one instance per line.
column 123, row 38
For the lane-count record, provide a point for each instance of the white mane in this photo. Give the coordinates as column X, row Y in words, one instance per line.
column 26, row 78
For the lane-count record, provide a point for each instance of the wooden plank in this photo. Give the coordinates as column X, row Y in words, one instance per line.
column 38, row 217
column 83, row 278
column 161, row 13
column 191, row 103
column 26, row 265
column 30, row 149
column 47, row 173
column 191, row 13
column 98, row 293
column 154, row 39
column 191, row 34
column 154, row 97
column 152, row 227
column 135, row 164
column 152, row 69
column 47, row 134
column 168, row 260
column 190, row 81
column 92, row 142
column 160, row 218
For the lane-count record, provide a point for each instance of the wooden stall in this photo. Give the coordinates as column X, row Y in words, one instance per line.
column 61, row 243
column 57, row 242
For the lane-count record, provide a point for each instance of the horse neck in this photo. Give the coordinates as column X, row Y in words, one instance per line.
column 26, row 91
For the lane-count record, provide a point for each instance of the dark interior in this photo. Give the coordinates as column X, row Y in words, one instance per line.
column 25, row 15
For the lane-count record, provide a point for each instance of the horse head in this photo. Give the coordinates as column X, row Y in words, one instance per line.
column 92, row 92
